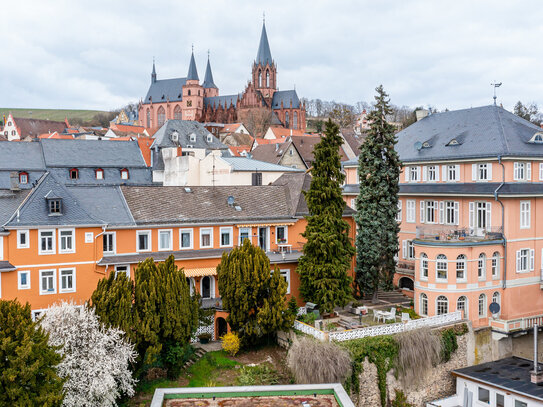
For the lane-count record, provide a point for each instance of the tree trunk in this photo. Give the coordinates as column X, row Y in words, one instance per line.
column 374, row 297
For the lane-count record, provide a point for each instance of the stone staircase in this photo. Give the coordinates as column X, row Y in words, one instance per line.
column 199, row 352
column 392, row 298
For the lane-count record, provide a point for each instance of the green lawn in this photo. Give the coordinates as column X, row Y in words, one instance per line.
column 204, row 372
column 50, row 114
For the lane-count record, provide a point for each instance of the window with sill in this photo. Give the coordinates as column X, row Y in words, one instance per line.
column 22, row 239
column 496, row 298
column 452, row 210
column 66, row 238
column 481, row 172
column 462, row 305
column 483, row 395
column 414, row 174
column 461, row 267
column 47, row 242
column 442, row 305
column 47, row 282
column 431, row 173
column 411, row 211
column 164, row 240
column 281, row 234
column 423, row 265
column 206, row 238
column 525, row 260
column 109, row 243
column 423, row 308
column 428, row 211
column 522, row 171
column 441, row 267
column 482, row 305
column 122, row 270
column 185, row 238
column 143, row 241
column 496, row 265
column 124, row 174
column 99, row 173
column 23, row 279
column 226, row 237
column 452, row 173
column 524, row 214
column 481, row 266
column 54, row 206
column 244, row 233
column 67, row 280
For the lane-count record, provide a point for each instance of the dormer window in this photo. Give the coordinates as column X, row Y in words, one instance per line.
column 124, row 174
column 74, row 173
column 23, row 177
column 99, row 173
column 55, row 206
column 175, row 136
column 209, row 138
column 193, row 137
column 453, row 142
column 537, row 138
column 425, row 145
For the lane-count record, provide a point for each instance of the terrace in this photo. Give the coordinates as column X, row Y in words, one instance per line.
column 458, row 235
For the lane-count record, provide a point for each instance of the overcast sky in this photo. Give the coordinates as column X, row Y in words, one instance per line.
column 98, row 54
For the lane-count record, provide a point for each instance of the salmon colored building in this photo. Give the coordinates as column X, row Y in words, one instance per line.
column 470, row 193
column 59, row 240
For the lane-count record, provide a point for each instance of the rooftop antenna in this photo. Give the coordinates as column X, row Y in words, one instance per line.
column 495, row 85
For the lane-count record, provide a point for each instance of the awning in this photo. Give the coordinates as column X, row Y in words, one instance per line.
column 6, row 266
column 207, row 271
column 256, row 225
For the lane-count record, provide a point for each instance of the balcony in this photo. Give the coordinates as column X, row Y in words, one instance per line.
column 457, row 234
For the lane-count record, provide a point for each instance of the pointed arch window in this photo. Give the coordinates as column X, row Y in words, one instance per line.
column 267, row 79
column 148, row 118
column 177, row 115
column 161, row 118
column 287, row 120
column 259, row 79
column 295, row 120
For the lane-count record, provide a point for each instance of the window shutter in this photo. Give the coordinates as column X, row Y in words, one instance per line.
column 532, row 260
column 444, row 175
column 421, row 211
column 474, row 172
column 457, row 172
column 425, row 173
column 518, row 261
column 456, row 213
column 529, row 172
column 418, row 173
column 515, row 171
column 404, row 249
column 399, row 210
column 406, row 171
column 488, row 215
column 437, row 172
column 441, row 212
column 541, row 171
column 472, row 215
column 489, row 172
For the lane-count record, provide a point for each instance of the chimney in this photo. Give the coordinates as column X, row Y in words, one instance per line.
column 536, row 374
column 14, row 181
column 421, row 114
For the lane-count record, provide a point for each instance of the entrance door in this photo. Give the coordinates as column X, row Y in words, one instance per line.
column 263, row 238
column 222, row 327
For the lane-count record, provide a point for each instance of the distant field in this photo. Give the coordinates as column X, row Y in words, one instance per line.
column 50, row 114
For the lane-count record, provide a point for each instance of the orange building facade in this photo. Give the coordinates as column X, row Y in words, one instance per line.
column 470, row 192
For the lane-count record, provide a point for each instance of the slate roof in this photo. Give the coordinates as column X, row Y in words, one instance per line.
column 225, row 101
column 9, row 202
column 184, row 129
column 248, row 164
column 263, row 55
column 510, row 374
column 486, row 131
column 167, row 205
column 35, row 127
column 208, row 78
column 21, row 156
column 165, row 89
column 193, row 72
column 285, row 96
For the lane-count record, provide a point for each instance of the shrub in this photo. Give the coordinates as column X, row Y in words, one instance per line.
column 318, row 362
column 400, row 400
column 175, row 358
column 448, row 344
column 419, row 350
column 231, row 343
column 259, row 375
column 308, row 319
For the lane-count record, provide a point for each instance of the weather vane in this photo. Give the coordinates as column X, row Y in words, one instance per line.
column 495, row 85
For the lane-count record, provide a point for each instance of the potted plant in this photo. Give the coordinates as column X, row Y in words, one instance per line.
column 204, row 338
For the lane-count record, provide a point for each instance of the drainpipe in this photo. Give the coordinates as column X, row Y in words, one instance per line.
column 504, row 241
column 104, row 227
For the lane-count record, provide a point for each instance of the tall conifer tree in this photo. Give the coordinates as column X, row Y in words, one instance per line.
column 328, row 252
column 377, row 203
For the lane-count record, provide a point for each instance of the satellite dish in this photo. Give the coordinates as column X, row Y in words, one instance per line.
column 230, row 200
column 494, row 308
column 418, row 145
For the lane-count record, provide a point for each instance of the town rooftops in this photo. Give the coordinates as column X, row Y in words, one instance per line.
column 487, row 131
column 184, row 130
column 510, row 374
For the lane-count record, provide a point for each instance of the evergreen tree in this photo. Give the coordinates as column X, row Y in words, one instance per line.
column 253, row 296
column 377, row 203
column 28, row 375
column 328, row 252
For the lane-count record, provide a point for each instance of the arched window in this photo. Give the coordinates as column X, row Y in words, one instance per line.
column 148, row 118
column 481, row 266
column 177, row 113
column 441, row 267
column 496, row 298
column 295, row 120
column 124, row 174
column 259, row 79
column 461, row 267
column 267, row 79
column 189, row 92
column 462, row 305
column 442, row 305
column 74, row 173
column 161, row 116
column 482, row 306
column 423, row 265
column 207, row 287
column 99, row 173
column 496, row 265
column 287, row 120
column 23, row 177
column 423, row 308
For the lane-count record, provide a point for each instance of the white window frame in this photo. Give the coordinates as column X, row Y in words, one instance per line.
column 399, row 213
column 26, row 233
column 432, row 173
column 423, row 299
column 285, row 273
column 89, row 237
column 53, row 244
column 64, row 251
column 437, row 305
column 113, row 241
column 495, row 265
column 481, row 267
column 411, row 212
column 149, row 241
column 1, row 247
column 431, row 207
column 211, row 287
column 202, row 232
column 525, row 214
column 190, row 231
column 525, row 255
column 451, row 208
column 452, row 170
column 446, row 261
column 126, row 272
column 27, row 285
column 414, row 173
column 353, row 203
column 484, row 305
column 54, row 279
column 170, row 240
column 482, row 169
column 286, row 234
column 424, row 266
column 250, row 236
column 541, row 171
column 464, row 263
column 410, row 255
column 230, row 231
column 66, row 290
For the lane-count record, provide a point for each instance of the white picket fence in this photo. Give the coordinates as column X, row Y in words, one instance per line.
column 387, row 329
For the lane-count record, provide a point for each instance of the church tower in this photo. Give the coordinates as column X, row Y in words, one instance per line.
column 193, row 93
column 264, row 69
column 210, row 89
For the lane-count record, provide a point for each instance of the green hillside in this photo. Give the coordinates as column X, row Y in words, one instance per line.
column 52, row 114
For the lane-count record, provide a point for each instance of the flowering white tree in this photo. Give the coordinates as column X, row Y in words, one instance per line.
column 96, row 358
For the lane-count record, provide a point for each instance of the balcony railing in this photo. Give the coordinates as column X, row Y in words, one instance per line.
column 446, row 233
column 516, row 325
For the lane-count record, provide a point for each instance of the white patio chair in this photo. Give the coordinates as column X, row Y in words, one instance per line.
column 390, row 315
column 405, row 317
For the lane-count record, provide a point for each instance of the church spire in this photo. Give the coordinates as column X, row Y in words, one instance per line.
column 153, row 74
column 193, row 72
column 208, row 79
column 263, row 56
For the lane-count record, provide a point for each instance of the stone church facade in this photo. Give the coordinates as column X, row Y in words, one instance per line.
column 188, row 99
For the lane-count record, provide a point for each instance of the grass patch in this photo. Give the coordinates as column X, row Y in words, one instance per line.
column 204, row 372
column 51, row 114
column 260, row 375
column 148, row 387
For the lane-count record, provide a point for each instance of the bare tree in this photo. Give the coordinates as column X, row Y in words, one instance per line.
column 257, row 120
